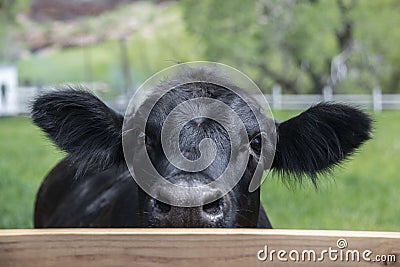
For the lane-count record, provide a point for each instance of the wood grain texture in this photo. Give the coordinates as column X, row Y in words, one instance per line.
column 182, row 247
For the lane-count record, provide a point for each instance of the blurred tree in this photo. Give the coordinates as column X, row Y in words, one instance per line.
column 8, row 12
column 303, row 45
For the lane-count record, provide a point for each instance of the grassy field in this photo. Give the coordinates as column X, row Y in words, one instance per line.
column 362, row 195
column 25, row 158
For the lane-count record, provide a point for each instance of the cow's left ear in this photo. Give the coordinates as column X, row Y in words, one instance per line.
column 319, row 138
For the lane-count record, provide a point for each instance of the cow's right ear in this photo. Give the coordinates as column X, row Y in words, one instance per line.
column 319, row 139
column 83, row 126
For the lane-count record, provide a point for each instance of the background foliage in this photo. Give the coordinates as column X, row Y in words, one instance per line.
column 351, row 46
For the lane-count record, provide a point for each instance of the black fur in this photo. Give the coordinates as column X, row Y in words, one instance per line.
column 318, row 139
column 81, row 125
column 106, row 196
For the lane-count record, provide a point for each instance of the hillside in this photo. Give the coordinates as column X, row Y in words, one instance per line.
column 37, row 31
column 139, row 38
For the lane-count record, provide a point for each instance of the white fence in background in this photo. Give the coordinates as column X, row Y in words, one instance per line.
column 8, row 90
column 376, row 101
column 20, row 103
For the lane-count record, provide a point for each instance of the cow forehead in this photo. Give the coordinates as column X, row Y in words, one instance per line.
column 211, row 101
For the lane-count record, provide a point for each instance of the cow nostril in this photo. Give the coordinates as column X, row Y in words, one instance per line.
column 214, row 207
column 161, row 207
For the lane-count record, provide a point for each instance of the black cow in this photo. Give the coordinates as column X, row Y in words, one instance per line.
column 92, row 186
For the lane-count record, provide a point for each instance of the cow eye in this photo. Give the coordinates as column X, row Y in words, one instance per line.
column 255, row 143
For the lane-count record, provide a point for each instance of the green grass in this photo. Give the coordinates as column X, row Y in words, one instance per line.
column 25, row 158
column 362, row 195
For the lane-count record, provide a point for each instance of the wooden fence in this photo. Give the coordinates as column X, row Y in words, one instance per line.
column 197, row 247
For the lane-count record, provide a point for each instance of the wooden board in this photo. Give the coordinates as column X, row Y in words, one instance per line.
column 191, row 247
